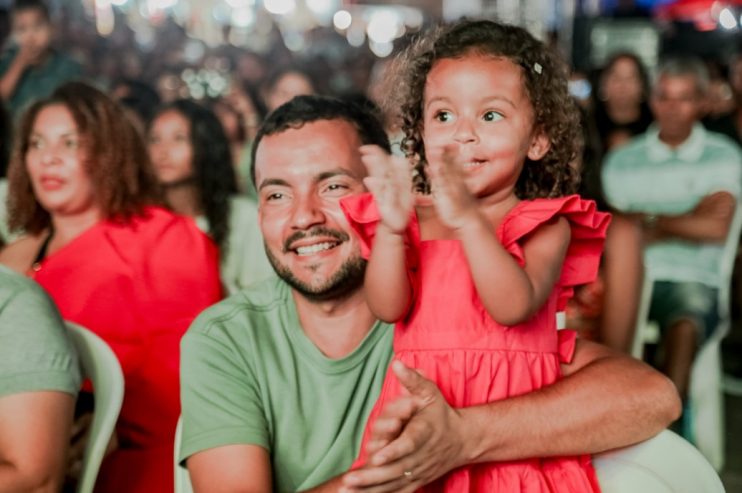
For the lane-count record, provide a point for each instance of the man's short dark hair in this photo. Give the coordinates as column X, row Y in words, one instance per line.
column 308, row 109
column 40, row 5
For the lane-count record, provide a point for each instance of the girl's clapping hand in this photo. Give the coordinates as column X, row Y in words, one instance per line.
column 390, row 181
column 453, row 201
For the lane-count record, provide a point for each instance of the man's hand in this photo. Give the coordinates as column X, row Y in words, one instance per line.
column 416, row 440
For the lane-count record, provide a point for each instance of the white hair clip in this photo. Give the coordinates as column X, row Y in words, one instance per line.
column 538, row 68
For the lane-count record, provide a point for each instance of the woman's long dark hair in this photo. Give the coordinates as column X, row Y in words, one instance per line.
column 212, row 165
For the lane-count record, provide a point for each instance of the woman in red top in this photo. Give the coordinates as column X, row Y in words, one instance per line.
column 114, row 261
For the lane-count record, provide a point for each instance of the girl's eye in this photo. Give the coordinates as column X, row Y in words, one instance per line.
column 34, row 144
column 443, row 116
column 70, row 144
column 492, row 116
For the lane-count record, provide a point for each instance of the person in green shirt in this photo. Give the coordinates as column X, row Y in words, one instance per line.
column 277, row 381
column 39, row 380
column 31, row 68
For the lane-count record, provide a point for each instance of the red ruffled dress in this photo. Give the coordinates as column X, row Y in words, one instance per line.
column 138, row 286
column 474, row 360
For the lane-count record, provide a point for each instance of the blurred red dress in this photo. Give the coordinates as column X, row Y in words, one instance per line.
column 452, row 339
column 138, row 285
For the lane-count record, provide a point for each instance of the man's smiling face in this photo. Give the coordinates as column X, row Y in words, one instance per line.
column 301, row 175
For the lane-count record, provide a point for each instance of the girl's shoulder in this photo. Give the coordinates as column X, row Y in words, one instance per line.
column 528, row 215
column 587, row 225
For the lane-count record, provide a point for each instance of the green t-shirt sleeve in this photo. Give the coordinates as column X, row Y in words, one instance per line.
column 35, row 353
column 220, row 395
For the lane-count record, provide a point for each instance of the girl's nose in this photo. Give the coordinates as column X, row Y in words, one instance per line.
column 465, row 132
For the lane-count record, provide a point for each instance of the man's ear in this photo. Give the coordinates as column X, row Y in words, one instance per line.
column 540, row 145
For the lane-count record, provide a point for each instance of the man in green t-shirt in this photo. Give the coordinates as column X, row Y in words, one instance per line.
column 277, row 381
column 39, row 380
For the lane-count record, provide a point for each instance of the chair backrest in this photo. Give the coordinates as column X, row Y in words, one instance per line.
column 101, row 366
column 663, row 464
column 182, row 479
column 729, row 255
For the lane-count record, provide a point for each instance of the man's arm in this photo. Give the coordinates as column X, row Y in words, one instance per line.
column 231, row 469
column 605, row 400
column 708, row 222
column 242, row 469
column 34, row 436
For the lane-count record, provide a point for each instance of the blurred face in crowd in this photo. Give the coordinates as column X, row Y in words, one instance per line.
column 290, row 85
column 170, row 149
column 55, row 161
column 32, row 31
column 301, row 175
column 622, row 83
column 677, row 103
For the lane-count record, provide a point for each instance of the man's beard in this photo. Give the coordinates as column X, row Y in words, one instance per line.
column 346, row 281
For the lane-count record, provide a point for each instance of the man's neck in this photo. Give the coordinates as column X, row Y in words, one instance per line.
column 336, row 327
column 674, row 141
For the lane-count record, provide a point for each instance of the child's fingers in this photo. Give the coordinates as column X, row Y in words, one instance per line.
column 402, row 169
column 374, row 165
column 372, row 149
column 373, row 185
column 449, row 157
column 373, row 152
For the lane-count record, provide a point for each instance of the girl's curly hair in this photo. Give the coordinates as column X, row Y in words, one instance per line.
column 117, row 161
column 545, row 79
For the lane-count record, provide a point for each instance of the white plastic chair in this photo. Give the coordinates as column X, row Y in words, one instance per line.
column 663, row 464
column 705, row 391
column 100, row 365
column 182, row 479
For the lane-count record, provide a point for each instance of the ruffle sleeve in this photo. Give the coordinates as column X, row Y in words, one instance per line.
column 363, row 217
column 588, row 227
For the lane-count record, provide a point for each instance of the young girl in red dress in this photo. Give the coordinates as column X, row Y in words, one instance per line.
column 474, row 269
